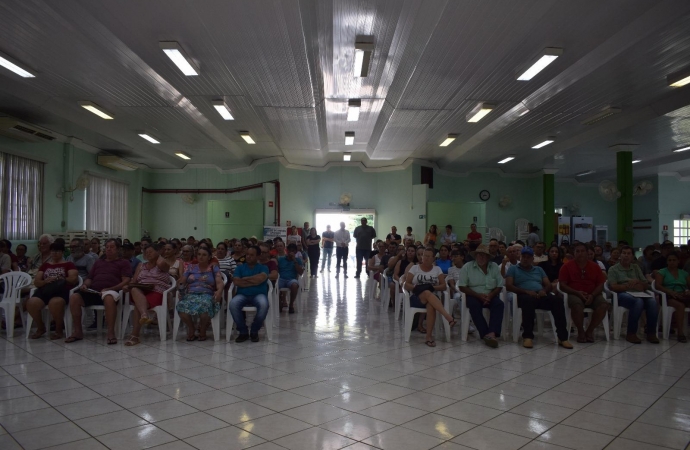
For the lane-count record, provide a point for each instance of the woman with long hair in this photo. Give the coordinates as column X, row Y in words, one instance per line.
column 553, row 265
column 674, row 282
column 431, row 236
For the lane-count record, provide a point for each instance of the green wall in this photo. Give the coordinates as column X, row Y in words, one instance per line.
column 674, row 200
column 647, row 207
column 591, row 203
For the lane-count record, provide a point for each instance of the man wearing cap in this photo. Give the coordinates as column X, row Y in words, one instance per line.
column 533, row 291
column 481, row 282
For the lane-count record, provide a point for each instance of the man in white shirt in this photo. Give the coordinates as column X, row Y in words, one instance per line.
column 450, row 237
column 539, row 255
column 342, row 242
column 512, row 254
column 409, row 235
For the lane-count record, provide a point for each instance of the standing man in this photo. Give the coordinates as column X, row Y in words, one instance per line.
column 327, row 239
column 449, row 238
column 342, row 243
column 364, row 234
column 393, row 236
column 533, row 237
column 474, row 236
column 305, row 232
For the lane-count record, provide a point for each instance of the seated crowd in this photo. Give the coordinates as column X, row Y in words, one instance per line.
column 536, row 278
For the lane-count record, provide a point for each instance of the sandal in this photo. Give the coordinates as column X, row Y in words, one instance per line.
column 112, row 341
column 71, row 339
column 145, row 320
column 582, row 339
column 191, row 339
column 431, row 343
column 132, row 341
column 682, row 338
column 590, row 339
column 38, row 334
column 55, row 336
column 421, row 330
column 202, row 338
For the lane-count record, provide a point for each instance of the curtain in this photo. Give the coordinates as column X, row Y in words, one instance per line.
column 106, row 206
column 21, row 197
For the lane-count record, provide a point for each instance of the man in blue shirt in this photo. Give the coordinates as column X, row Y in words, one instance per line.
column 533, row 290
column 250, row 280
column 289, row 269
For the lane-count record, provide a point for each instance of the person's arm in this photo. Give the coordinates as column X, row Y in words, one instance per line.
column 441, row 286
column 118, row 287
column 356, row 233
column 510, row 287
column 408, row 282
column 162, row 264
column 371, row 265
column 659, row 286
column 72, row 277
column 273, row 276
column 38, row 280
column 220, row 287
column 134, row 279
column 570, row 291
column 426, row 240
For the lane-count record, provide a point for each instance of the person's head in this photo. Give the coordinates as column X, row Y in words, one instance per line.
column 473, row 227
column 627, row 255
column 312, row 232
column 672, row 260
column 598, row 251
column 8, row 245
column 145, row 242
column 328, row 228
column 493, row 246
column 482, row 255
column 409, row 230
column 169, row 250
column 265, row 253
column 411, row 253
column 137, row 248
column 363, row 221
column 237, row 248
column 502, row 247
column 44, row 243
column 428, row 256
column 381, row 247
column 513, row 253
column 608, row 246
column 187, row 253
column 457, row 257
column 57, row 249
column 191, row 240
column 152, row 252
column 203, row 255
column 526, row 256
column 590, row 253
column 306, row 225
column 342, row 225
column 392, row 248
column 291, row 251
column 615, row 254
column 443, row 252
column 221, row 250
column 76, row 248
column 280, row 247
column 555, row 254
column 3, row 247
column 299, row 246
column 21, row 250
column 449, row 229
column 111, row 249
column 433, row 229
column 647, row 252
column 126, row 241
column 252, row 256
column 394, row 229
column 294, row 229
column 666, row 248
column 420, row 253
column 580, row 252
column 539, row 248
column 128, row 250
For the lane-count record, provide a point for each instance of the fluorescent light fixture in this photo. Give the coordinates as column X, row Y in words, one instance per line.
column 679, row 79
column 347, row 156
column 524, row 112
column 636, row 161
column 582, row 174
column 450, row 138
column 349, row 138
column 546, row 57
column 97, row 110
column 353, row 107
column 545, row 142
column 363, row 51
column 180, row 58
column 247, row 138
column 182, row 155
column 148, row 137
column 479, row 111
column 505, row 160
column 12, row 65
column 222, row 109
column 606, row 112
column 682, row 149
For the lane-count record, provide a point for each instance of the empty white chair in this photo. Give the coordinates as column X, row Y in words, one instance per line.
column 268, row 323
column 14, row 282
column 667, row 312
column 161, row 312
column 46, row 312
column 569, row 318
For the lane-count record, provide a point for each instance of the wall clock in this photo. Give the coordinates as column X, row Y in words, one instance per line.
column 484, row 195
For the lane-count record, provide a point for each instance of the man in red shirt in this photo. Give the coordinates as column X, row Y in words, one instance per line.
column 474, row 235
column 583, row 281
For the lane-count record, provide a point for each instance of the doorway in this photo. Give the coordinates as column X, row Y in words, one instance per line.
column 352, row 219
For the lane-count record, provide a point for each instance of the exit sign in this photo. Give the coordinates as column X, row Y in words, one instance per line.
column 270, row 204
column 421, row 216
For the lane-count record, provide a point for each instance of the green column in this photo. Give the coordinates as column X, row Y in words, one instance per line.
column 625, row 201
column 549, row 231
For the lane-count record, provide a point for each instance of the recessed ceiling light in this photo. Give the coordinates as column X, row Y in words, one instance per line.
column 636, row 161
column 97, row 110
column 682, row 149
column 349, row 138
column 505, row 160
column 447, row 141
column 582, row 174
column 148, row 137
column 363, row 51
column 546, row 57
column 479, row 111
column 347, row 156
column 247, row 138
column 12, row 65
column 182, row 155
column 545, row 142
column 222, row 109
column 679, row 79
column 606, row 112
column 353, row 107
column 180, row 58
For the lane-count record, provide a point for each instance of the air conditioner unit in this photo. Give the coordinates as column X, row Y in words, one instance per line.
column 116, row 163
column 685, row 216
column 22, row 131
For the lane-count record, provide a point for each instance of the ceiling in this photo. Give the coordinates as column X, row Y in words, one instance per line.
column 285, row 69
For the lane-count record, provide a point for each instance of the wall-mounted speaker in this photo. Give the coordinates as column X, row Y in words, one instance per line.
column 428, row 176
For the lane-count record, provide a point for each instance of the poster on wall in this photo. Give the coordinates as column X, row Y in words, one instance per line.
column 271, row 232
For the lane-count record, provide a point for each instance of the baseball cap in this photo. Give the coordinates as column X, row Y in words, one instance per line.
column 527, row 251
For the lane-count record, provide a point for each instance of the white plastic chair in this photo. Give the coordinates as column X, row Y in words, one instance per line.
column 619, row 311
column 161, row 312
column 667, row 312
column 99, row 310
column 569, row 317
column 385, row 292
column 398, row 298
column 408, row 314
column 286, row 291
column 275, row 302
column 268, row 323
column 215, row 321
column 521, row 229
column 466, row 317
column 14, row 282
column 517, row 320
column 448, row 304
column 67, row 320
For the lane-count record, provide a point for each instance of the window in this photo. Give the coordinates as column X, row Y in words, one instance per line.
column 558, row 211
column 681, row 232
column 21, row 197
column 106, row 206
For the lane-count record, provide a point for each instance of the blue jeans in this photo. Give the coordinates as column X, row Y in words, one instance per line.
column 327, row 252
column 495, row 315
column 260, row 302
column 635, row 306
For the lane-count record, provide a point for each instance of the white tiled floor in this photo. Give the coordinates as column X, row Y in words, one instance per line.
column 338, row 375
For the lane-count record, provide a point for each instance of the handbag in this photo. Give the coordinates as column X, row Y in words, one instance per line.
column 418, row 289
column 50, row 290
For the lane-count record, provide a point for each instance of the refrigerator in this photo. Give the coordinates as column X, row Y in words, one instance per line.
column 564, row 230
column 582, row 229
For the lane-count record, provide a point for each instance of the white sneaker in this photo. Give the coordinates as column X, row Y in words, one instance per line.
column 472, row 329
